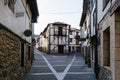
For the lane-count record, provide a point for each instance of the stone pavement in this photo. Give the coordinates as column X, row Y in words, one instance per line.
column 59, row 67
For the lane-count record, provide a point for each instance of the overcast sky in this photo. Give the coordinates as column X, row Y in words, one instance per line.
column 67, row 11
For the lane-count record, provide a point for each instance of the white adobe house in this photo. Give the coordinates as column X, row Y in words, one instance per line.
column 56, row 38
column 74, row 43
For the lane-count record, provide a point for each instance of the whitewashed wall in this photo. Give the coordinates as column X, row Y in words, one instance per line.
column 17, row 24
column 102, row 12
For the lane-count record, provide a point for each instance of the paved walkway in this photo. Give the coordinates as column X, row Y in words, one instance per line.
column 59, row 67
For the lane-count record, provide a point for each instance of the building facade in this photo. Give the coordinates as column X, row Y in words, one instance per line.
column 108, row 21
column 16, row 17
column 56, row 36
column 85, row 33
column 43, row 42
column 74, row 43
column 104, row 37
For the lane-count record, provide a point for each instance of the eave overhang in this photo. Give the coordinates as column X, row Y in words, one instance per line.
column 34, row 10
column 85, row 8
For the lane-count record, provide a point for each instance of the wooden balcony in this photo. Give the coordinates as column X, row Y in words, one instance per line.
column 81, row 39
column 77, row 37
column 63, row 33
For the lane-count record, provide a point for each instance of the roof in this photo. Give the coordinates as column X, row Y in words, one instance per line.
column 59, row 23
column 56, row 23
column 34, row 10
column 85, row 8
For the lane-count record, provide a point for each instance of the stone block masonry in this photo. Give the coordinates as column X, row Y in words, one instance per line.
column 105, row 74
column 10, row 56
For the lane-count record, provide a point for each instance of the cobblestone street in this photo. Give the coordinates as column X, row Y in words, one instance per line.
column 59, row 67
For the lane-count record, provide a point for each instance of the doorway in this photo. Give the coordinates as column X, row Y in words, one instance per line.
column 69, row 48
column 61, row 49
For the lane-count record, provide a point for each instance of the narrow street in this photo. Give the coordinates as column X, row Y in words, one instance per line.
column 59, row 67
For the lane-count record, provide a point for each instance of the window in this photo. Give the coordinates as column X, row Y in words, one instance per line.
column 77, row 42
column 70, row 39
column 11, row 5
column 60, row 30
column 105, row 2
column 106, row 47
column 70, row 32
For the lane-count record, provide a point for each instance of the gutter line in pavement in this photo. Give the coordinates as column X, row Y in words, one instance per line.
column 49, row 65
column 67, row 68
column 60, row 75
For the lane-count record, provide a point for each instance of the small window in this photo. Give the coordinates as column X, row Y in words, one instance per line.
column 60, row 30
column 106, row 47
column 77, row 42
column 70, row 39
column 11, row 5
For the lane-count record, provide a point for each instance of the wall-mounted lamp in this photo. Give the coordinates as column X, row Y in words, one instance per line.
column 27, row 33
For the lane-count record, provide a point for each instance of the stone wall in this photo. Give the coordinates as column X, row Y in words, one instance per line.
column 105, row 74
column 10, row 57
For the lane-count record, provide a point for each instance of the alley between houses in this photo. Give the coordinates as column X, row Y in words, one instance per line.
column 59, row 67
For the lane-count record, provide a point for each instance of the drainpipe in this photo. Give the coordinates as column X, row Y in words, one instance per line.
column 96, row 46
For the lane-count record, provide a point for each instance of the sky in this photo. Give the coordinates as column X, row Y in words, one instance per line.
column 50, row 11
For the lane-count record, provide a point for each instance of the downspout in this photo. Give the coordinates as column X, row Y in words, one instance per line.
column 96, row 45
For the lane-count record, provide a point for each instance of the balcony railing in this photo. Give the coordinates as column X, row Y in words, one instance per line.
column 77, row 36
column 63, row 33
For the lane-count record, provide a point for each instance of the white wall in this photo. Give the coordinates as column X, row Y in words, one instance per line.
column 43, row 41
column 17, row 24
column 101, row 12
